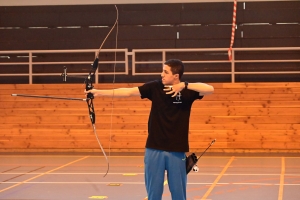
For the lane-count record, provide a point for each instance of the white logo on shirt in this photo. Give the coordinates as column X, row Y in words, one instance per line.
column 178, row 98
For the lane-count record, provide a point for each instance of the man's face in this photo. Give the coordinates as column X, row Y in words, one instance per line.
column 168, row 78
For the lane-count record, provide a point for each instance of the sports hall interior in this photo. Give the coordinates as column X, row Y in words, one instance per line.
column 249, row 53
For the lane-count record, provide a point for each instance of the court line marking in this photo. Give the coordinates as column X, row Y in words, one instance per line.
column 218, row 178
column 143, row 156
column 10, row 169
column 280, row 193
column 100, row 173
column 22, row 174
column 19, row 183
column 142, row 183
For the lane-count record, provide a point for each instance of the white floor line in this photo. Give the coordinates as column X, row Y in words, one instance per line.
column 142, row 183
column 192, row 174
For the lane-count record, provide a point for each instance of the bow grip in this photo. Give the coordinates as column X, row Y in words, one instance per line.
column 88, row 87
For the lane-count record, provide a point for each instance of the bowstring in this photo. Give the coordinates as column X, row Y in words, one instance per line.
column 97, row 55
column 113, row 83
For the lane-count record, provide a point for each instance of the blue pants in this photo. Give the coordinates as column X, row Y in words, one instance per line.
column 156, row 162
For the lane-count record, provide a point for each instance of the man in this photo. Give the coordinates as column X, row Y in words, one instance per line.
column 168, row 127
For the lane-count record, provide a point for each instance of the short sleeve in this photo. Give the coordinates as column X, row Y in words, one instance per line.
column 195, row 95
column 146, row 90
column 199, row 97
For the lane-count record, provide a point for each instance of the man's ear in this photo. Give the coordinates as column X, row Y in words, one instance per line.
column 176, row 76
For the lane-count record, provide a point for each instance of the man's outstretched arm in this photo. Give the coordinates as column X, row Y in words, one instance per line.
column 120, row 92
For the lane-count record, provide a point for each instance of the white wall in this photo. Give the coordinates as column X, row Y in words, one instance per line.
column 88, row 2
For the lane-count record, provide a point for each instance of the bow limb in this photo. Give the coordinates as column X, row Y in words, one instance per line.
column 116, row 22
column 89, row 86
column 92, row 115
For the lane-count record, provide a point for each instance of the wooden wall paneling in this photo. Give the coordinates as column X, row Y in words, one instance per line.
column 207, row 78
column 144, row 18
column 83, row 38
column 129, row 37
column 85, row 43
column 24, row 45
column 147, row 37
column 1, row 16
column 143, row 126
column 26, row 39
column 148, row 68
column 208, row 67
column 258, row 85
column 22, row 35
column 212, row 36
column 145, row 15
column 14, row 58
column 85, row 18
column 271, row 16
column 111, row 68
column 208, row 13
column 86, row 8
column 272, row 31
column 274, row 34
column 240, row 78
column 172, row 7
column 215, row 6
column 54, row 79
column 206, row 17
column 78, row 68
column 272, row 12
column 14, row 79
column 253, row 117
column 148, row 56
column 80, row 34
column 272, row 5
column 11, row 69
column 205, row 32
column 146, row 44
column 95, row 15
column 255, row 111
column 147, row 33
column 55, row 16
column 29, row 19
column 288, row 85
column 266, row 67
column 270, row 42
column 209, row 43
column 267, row 55
column 198, row 56
column 63, row 57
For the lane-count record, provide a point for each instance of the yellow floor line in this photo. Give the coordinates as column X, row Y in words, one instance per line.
column 20, row 183
column 280, row 194
column 217, row 179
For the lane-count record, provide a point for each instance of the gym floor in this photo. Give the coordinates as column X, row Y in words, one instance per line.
column 80, row 177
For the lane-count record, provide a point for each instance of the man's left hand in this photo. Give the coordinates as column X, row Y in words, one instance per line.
column 174, row 89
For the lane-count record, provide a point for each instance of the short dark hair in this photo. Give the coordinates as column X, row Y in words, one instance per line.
column 176, row 65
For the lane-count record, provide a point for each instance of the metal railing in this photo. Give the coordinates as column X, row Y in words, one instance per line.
column 224, row 52
column 32, row 54
column 161, row 55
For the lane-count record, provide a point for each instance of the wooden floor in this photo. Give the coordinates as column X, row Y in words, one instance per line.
column 80, row 177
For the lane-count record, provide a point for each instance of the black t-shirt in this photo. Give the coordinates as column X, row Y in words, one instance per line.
column 168, row 123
